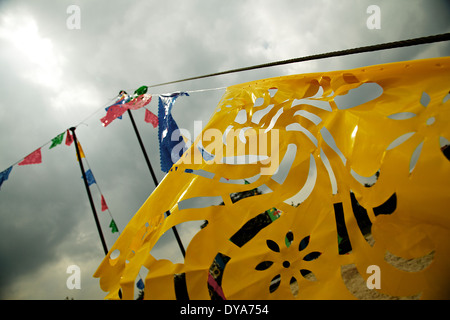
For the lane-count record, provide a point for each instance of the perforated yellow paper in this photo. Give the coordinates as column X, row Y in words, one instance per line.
column 344, row 169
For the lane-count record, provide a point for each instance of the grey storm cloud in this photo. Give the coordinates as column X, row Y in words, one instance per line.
column 53, row 78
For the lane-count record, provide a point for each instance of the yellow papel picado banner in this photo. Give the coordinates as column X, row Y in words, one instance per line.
column 303, row 179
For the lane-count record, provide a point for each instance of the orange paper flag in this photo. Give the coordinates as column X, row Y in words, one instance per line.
column 81, row 151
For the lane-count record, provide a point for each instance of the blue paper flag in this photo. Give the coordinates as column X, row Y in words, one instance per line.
column 89, row 177
column 169, row 135
column 4, row 175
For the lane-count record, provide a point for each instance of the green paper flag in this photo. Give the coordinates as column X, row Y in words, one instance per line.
column 140, row 90
column 57, row 140
column 113, row 226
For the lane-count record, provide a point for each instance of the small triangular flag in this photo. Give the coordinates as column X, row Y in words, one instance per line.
column 150, row 117
column 33, row 158
column 89, row 177
column 69, row 138
column 4, row 175
column 81, row 151
column 104, row 205
column 57, row 140
column 113, row 226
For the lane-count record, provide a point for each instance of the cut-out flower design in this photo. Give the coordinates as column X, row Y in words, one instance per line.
column 292, row 267
column 430, row 113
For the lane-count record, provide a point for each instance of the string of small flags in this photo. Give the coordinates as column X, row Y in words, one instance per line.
column 140, row 99
column 124, row 102
column 91, row 180
column 35, row 157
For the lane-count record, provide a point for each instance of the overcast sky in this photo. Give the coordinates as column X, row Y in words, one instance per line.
column 53, row 77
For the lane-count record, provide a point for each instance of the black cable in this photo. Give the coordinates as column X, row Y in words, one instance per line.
column 371, row 48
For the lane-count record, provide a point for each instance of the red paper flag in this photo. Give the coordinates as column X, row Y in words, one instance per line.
column 139, row 102
column 150, row 117
column 69, row 138
column 113, row 112
column 33, row 158
column 104, row 206
column 118, row 109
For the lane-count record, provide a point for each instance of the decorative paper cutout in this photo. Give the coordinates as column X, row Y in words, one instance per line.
column 169, row 135
column 361, row 195
column 69, row 138
column 4, row 175
column 150, row 117
column 123, row 103
column 89, row 177
column 57, row 140
column 139, row 102
column 113, row 112
column 33, row 158
column 103, row 203
column 80, row 149
column 113, row 227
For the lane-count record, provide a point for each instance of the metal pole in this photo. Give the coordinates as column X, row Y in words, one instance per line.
column 105, row 248
column 155, row 180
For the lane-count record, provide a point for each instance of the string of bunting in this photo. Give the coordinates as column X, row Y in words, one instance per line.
column 140, row 99
column 123, row 102
column 91, row 180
